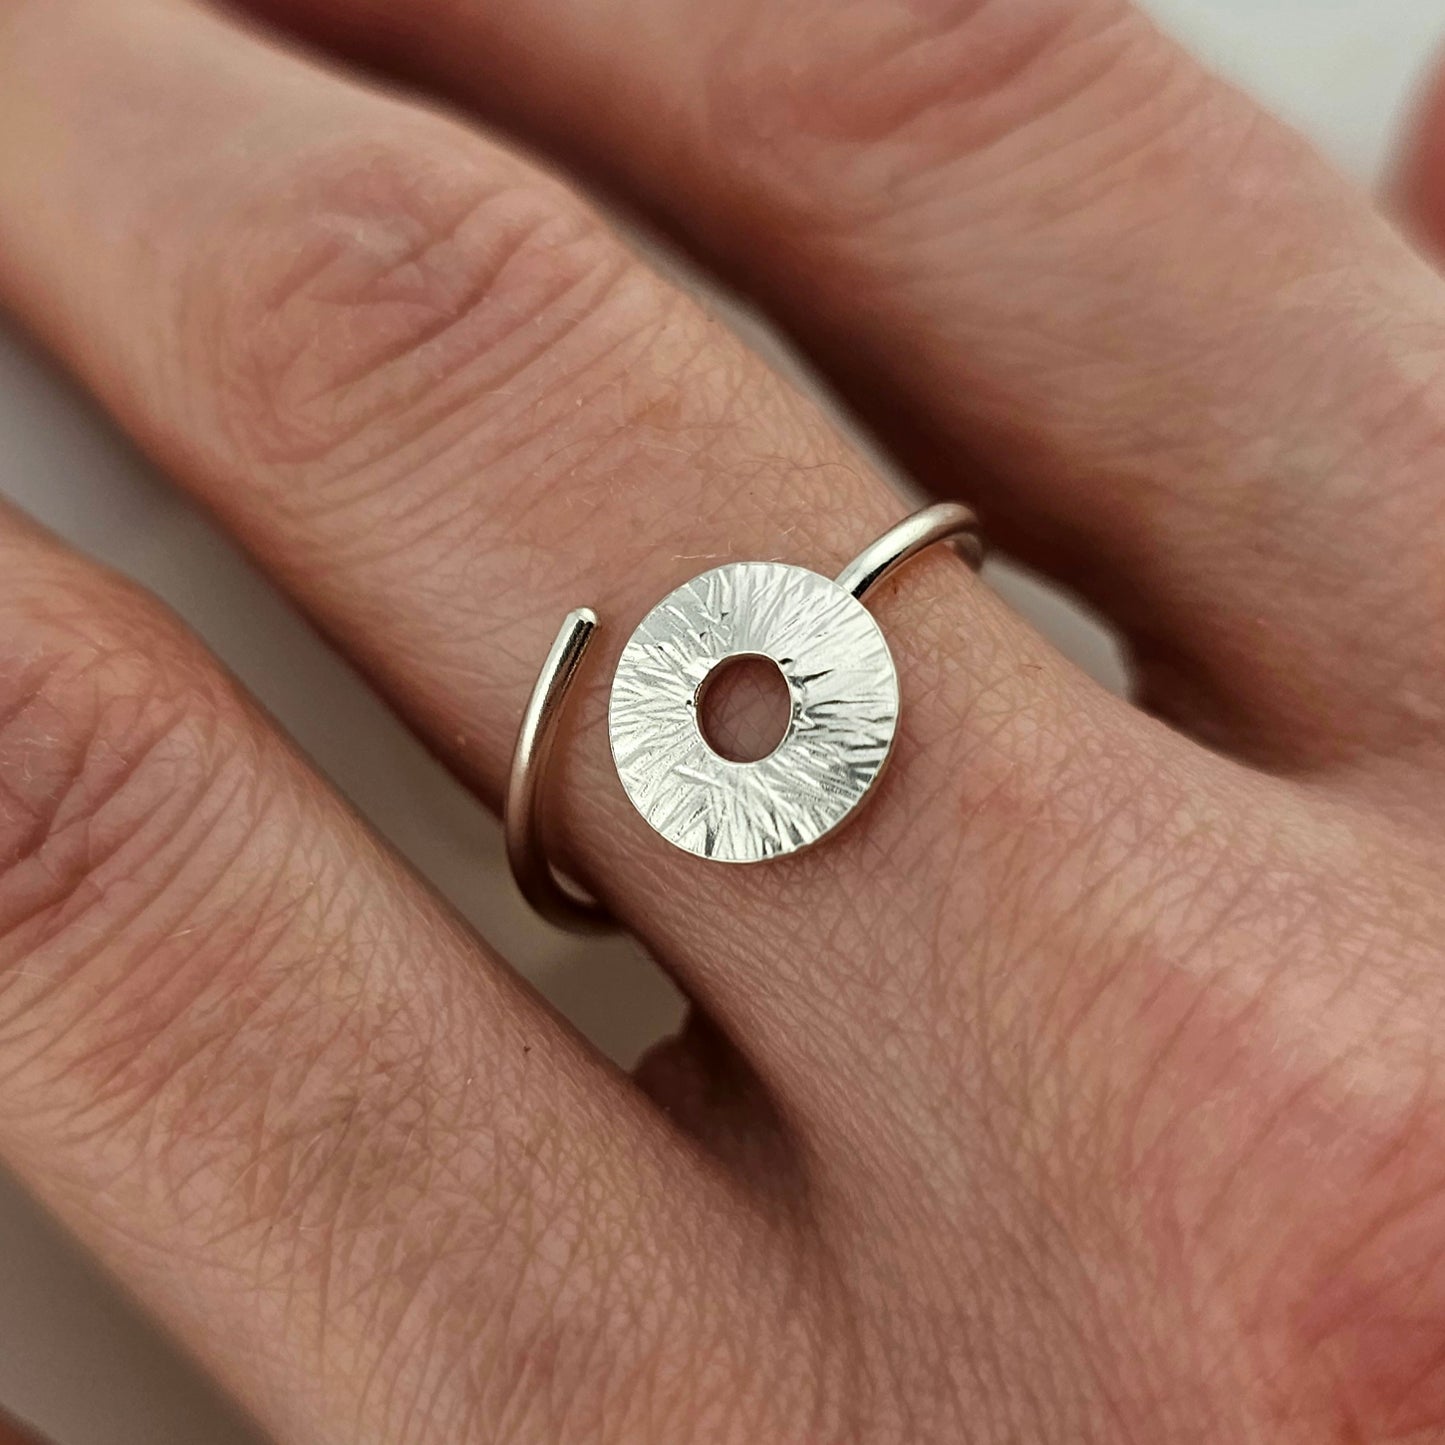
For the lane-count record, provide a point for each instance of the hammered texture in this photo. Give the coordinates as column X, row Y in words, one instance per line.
column 844, row 692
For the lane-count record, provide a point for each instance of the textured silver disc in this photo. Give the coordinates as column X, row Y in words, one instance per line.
column 844, row 692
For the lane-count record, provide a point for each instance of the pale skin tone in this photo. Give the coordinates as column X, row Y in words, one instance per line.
column 1092, row 1087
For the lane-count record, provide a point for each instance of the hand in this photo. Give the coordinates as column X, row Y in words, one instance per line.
column 1091, row 1087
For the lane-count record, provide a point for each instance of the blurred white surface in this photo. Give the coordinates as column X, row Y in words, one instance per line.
column 73, row 1356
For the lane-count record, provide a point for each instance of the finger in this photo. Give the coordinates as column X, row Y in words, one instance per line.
column 12, row 1432
column 365, row 344
column 358, row 1168
column 446, row 406
column 1197, row 369
column 1419, row 184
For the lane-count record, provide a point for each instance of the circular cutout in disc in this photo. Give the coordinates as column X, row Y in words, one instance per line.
column 844, row 692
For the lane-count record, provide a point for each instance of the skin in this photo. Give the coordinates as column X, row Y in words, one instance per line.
column 1090, row 1089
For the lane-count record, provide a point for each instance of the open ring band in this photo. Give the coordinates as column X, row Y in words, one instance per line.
column 840, row 676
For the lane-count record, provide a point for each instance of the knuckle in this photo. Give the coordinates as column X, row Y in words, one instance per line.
column 114, row 757
column 381, row 287
column 1256, row 1062
column 1350, row 1294
column 875, row 95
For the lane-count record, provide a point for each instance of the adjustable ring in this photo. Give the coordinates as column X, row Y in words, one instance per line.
column 844, row 715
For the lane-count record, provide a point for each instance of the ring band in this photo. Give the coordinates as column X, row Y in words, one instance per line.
column 840, row 677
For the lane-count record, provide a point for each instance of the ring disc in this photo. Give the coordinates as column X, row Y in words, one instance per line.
column 844, row 692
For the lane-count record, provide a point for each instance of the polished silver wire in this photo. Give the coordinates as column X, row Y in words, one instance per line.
column 556, row 901
column 551, row 897
column 946, row 522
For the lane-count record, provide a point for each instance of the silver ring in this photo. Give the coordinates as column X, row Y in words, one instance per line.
column 842, row 685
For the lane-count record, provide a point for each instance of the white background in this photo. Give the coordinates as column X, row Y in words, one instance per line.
column 73, row 1356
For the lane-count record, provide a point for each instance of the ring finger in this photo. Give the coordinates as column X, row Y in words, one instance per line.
column 445, row 405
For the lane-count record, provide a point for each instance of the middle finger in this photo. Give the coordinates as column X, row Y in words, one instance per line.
column 1198, row 369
